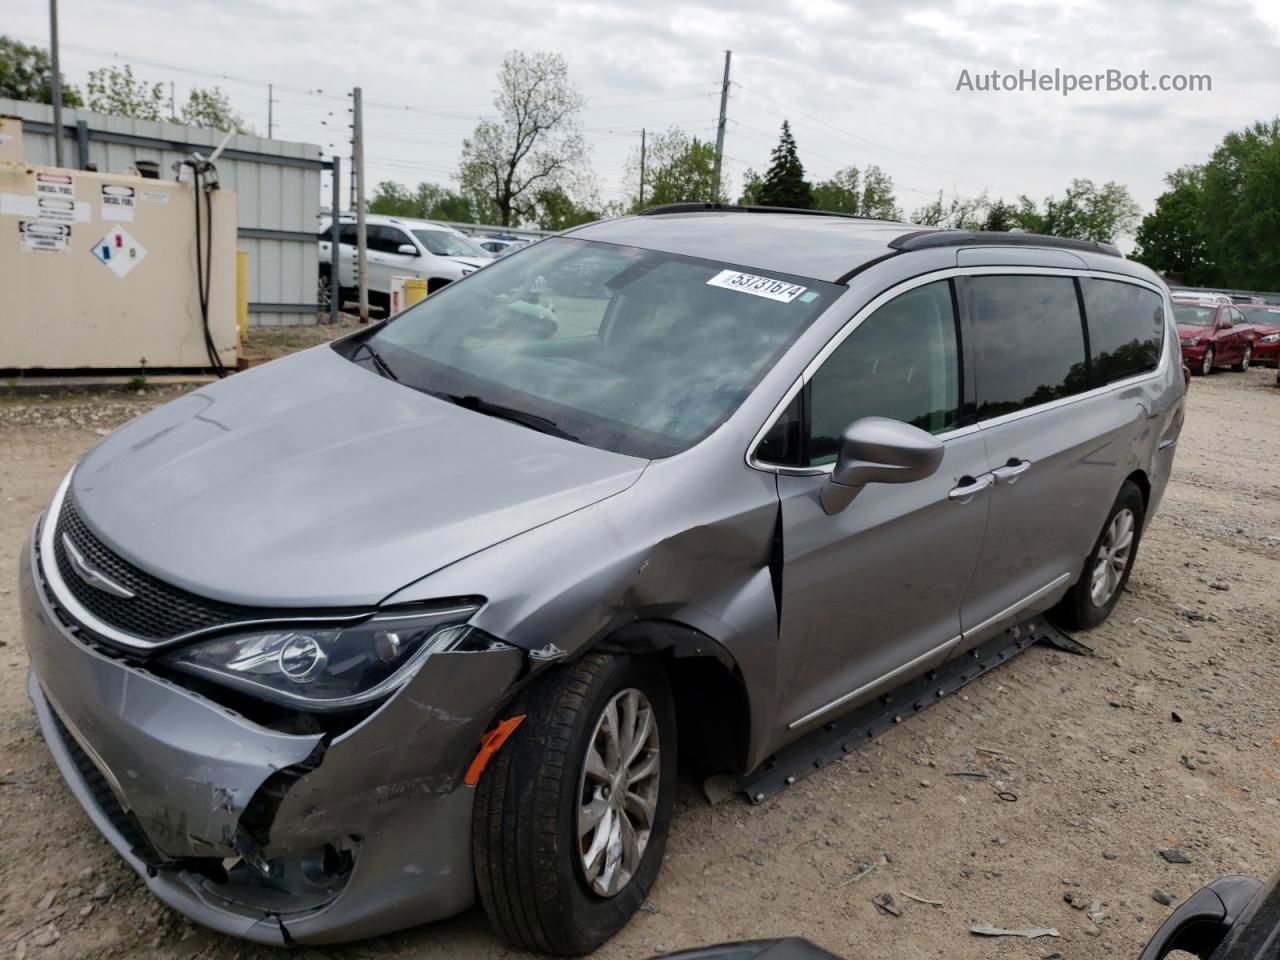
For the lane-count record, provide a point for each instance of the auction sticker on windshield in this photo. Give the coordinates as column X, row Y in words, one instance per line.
column 778, row 290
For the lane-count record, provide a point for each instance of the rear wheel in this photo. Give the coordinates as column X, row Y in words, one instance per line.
column 1106, row 571
column 1243, row 365
column 571, row 817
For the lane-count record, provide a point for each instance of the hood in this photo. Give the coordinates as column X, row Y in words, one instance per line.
column 1265, row 328
column 1191, row 330
column 476, row 262
column 312, row 481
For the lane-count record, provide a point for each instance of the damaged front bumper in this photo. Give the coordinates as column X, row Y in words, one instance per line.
column 333, row 838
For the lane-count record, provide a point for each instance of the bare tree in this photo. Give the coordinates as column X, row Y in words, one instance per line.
column 535, row 146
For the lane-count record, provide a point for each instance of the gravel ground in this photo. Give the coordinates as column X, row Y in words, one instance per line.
column 1168, row 740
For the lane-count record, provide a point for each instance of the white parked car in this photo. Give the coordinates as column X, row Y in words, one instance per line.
column 400, row 247
column 500, row 246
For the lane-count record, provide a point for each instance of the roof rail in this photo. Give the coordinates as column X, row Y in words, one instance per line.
column 745, row 208
column 927, row 239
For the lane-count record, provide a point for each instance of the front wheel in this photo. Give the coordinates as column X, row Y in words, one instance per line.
column 571, row 816
column 1206, row 365
column 1106, row 571
column 1243, row 365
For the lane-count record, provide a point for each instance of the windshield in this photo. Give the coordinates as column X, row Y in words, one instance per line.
column 445, row 243
column 1194, row 316
column 631, row 350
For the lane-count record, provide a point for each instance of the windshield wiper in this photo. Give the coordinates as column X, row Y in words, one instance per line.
column 513, row 414
column 377, row 360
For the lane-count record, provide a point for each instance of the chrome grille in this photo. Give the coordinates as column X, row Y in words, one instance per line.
column 157, row 611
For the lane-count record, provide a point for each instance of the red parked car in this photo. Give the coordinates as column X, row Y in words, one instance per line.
column 1265, row 320
column 1213, row 335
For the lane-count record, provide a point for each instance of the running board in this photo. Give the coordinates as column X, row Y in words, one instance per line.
column 845, row 734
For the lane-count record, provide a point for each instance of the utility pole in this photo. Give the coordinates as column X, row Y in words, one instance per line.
column 724, row 106
column 173, row 115
column 271, row 100
column 642, row 136
column 362, row 251
column 55, row 83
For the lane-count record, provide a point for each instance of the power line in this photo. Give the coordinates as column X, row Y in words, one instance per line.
column 873, row 145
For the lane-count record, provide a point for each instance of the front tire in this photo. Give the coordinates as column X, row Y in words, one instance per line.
column 1206, row 365
column 1243, row 365
column 1107, row 569
column 572, row 815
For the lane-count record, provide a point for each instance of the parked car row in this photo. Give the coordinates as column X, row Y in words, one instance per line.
column 1218, row 333
column 405, row 247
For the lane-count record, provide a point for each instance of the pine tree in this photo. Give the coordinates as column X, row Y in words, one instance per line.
column 784, row 184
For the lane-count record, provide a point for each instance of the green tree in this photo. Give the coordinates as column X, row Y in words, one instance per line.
column 1240, row 207
column 26, row 73
column 678, row 169
column 428, row 201
column 1172, row 239
column 556, row 210
column 534, row 146
column 784, row 182
column 752, row 184
column 211, row 109
column 1085, row 212
column 999, row 217
column 868, row 193
column 115, row 90
column 959, row 213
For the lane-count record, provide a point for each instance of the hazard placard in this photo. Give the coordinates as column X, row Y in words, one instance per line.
column 119, row 252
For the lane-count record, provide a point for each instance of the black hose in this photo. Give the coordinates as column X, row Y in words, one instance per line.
column 204, row 265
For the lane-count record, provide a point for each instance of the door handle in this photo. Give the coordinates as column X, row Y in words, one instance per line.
column 1011, row 471
column 971, row 487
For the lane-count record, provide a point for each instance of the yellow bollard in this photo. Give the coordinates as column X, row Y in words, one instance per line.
column 415, row 291
column 242, row 292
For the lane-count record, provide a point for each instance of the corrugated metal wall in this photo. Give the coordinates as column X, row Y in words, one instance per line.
column 276, row 182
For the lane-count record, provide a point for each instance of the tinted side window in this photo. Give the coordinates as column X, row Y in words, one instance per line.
column 900, row 363
column 348, row 234
column 1030, row 342
column 1126, row 328
column 385, row 239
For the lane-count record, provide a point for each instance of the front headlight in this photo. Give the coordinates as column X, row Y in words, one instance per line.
column 333, row 668
column 1271, row 338
column 1190, row 341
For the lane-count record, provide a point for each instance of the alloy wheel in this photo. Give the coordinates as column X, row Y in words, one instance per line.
column 1113, row 557
column 618, row 792
column 1248, row 355
column 1206, row 366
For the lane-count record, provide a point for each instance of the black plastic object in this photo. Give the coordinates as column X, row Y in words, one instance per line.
column 926, row 239
column 792, row 948
column 665, row 208
column 1230, row 919
column 845, row 734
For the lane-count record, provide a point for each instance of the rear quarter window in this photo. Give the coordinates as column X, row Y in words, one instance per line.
column 1030, row 342
column 1126, row 328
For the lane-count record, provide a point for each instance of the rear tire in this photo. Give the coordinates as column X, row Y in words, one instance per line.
column 1243, row 365
column 531, row 803
column 1106, row 571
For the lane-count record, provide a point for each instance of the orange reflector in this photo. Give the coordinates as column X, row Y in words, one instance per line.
column 489, row 745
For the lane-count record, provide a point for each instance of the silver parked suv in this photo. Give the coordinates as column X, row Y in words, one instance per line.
column 327, row 648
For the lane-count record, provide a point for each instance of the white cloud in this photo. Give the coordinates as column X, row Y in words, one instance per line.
column 861, row 82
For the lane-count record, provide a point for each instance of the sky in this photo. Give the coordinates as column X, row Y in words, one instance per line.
column 861, row 83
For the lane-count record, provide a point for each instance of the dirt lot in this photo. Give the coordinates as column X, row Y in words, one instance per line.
column 1105, row 775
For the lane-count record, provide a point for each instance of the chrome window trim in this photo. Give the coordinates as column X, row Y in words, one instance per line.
column 68, row 602
column 948, row 273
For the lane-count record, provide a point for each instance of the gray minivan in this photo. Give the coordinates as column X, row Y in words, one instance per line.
column 334, row 646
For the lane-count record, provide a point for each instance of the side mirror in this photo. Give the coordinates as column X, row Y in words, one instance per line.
column 408, row 249
column 879, row 450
